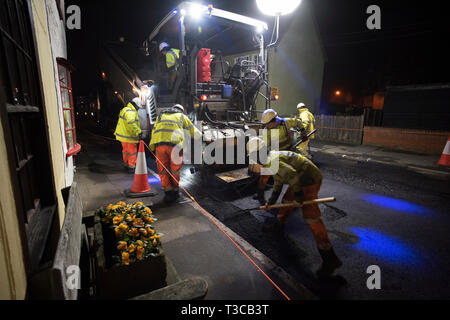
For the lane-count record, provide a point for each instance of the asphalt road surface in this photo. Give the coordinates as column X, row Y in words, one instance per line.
column 385, row 216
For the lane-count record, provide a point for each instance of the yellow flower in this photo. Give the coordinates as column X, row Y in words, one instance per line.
column 147, row 210
column 117, row 219
column 138, row 204
column 118, row 232
column 148, row 219
column 109, row 207
column 143, row 231
column 150, row 230
column 131, row 248
column 134, row 232
column 123, row 227
column 125, row 258
column 139, row 243
column 140, row 252
column 121, row 204
column 155, row 242
column 138, row 222
column 122, row 246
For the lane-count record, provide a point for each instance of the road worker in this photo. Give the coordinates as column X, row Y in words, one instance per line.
column 308, row 120
column 128, row 133
column 168, row 133
column 278, row 128
column 304, row 180
column 172, row 58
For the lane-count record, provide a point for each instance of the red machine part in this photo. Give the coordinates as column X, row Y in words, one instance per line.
column 204, row 65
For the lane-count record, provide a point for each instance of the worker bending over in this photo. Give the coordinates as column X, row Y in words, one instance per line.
column 278, row 128
column 168, row 133
column 304, row 180
column 128, row 131
column 307, row 118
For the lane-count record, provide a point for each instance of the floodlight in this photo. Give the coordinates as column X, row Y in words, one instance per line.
column 196, row 10
column 277, row 7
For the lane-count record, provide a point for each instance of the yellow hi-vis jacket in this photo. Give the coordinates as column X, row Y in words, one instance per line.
column 172, row 57
column 284, row 134
column 169, row 130
column 293, row 169
column 128, row 127
column 308, row 120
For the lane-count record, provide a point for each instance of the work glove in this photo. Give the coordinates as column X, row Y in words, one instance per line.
column 260, row 197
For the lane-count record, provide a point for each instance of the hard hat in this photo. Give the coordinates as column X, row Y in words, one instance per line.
column 255, row 144
column 301, row 105
column 163, row 45
column 268, row 116
column 137, row 101
column 179, row 107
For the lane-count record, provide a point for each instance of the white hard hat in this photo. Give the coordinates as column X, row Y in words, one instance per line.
column 163, row 45
column 179, row 106
column 268, row 116
column 137, row 101
column 255, row 144
column 301, row 105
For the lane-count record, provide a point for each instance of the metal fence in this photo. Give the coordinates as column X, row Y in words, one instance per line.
column 347, row 129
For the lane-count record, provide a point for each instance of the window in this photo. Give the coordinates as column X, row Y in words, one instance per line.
column 65, row 83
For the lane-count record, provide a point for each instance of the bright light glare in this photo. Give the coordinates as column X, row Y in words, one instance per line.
column 260, row 28
column 277, row 7
column 196, row 11
column 183, row 12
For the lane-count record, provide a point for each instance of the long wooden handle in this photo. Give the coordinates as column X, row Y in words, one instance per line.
column 297, row 205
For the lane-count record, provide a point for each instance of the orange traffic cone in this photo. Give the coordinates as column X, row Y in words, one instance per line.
column 445, row 159
column 141, row 187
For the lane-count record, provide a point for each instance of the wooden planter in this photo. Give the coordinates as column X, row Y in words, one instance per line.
column 115, row 281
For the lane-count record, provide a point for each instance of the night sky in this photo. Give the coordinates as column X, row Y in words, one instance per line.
column 411, row 48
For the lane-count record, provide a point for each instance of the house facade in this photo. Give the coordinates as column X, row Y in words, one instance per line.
column 37, row 138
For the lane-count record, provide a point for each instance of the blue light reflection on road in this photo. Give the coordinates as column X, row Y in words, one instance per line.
column 386, row 247
column 397, row 204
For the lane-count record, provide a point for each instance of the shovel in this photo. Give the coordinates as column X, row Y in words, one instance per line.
column 294, row 204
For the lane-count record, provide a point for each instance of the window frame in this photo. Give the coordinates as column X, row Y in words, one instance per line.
column 68, row 67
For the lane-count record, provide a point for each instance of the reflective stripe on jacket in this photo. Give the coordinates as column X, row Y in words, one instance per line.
column 172, row 57
column 308, row 120
column 283, row 132
column 169, row 130
column 128, row 127
column 293, row 169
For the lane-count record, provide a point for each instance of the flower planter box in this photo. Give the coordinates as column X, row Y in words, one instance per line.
column 116, row 281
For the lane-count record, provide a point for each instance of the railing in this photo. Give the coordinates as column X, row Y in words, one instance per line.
column 347, row 129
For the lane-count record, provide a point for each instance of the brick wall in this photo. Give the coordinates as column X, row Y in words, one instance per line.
column 420, row 141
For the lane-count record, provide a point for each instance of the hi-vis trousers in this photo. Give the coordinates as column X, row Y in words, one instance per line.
column 129, row 153
column 164, row 154
column 311, row 213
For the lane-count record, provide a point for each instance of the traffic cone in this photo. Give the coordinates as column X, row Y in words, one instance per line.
column 445, row 159
column 141, row 187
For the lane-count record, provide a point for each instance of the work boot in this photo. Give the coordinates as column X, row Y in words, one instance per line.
column 175, row 195
column 330, row 262
column 168, row 196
